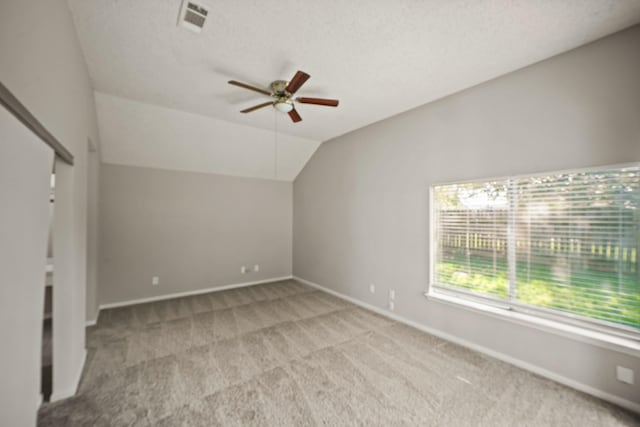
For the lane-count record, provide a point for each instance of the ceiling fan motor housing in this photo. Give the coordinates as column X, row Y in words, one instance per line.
column 278, row 88
column 283, row 102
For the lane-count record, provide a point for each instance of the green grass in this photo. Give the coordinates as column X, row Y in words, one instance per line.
column 592, row 294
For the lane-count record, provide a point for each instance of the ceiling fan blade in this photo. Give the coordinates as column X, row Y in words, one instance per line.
column 246, row 86
column 318, row 101
column 256, row 107
column 297, row 81
column 295, row 117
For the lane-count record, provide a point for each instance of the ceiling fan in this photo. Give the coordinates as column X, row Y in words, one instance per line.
column 282, row 93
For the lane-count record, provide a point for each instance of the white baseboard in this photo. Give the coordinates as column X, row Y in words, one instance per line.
column 189, row 293
column 93, row 322
column 63, row 394
column 628, row 404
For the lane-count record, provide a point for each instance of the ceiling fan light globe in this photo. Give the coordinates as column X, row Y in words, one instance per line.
column 284, row 106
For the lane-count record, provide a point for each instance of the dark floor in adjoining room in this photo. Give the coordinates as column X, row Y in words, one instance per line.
column 283, row 354
column 46, row 372
column 46, row 357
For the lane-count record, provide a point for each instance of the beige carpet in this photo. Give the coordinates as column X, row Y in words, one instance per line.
column 283, row 354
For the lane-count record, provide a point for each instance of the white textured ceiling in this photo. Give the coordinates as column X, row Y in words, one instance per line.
column 379, row 57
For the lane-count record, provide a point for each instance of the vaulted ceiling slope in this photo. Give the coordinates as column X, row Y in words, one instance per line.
column 379, row 57
column 137, row 134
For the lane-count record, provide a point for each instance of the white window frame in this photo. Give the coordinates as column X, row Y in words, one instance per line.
column 622, row 338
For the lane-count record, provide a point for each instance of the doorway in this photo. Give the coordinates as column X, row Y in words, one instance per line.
column 46, row 375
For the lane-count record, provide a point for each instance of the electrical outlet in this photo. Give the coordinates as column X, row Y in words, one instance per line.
column 624, row 375
column 243, row 269
column 256, row 268
column 155, row 280
column 392, row 294
column 372, row 288
column 392, row 305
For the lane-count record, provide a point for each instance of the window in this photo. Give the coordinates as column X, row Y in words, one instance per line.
column 561, row 244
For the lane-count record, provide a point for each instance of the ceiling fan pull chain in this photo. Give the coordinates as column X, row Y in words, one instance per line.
column 275, row 158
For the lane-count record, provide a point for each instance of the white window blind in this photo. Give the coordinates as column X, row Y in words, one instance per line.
column 563, row 244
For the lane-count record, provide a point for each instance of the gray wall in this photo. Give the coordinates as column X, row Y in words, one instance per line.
column 25, row 171
column 193, row 230
column 361, row 203
column 42, row 64
column 93, row 216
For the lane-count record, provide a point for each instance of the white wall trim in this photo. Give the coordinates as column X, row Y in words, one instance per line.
column 59, row 395
column 93, row 322
column 189, row 293
column 556, row 327
column 628, row 404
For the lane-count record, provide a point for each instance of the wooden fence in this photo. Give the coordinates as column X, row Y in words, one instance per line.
column 603, row 250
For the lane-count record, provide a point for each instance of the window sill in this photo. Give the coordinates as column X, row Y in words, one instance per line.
column 600, row 339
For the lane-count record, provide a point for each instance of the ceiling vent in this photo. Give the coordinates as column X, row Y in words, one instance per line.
column 192, row 16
